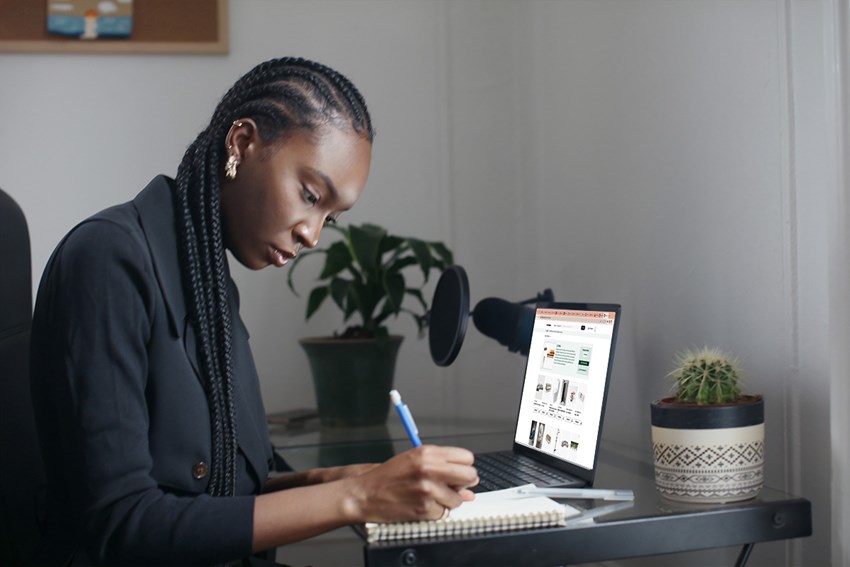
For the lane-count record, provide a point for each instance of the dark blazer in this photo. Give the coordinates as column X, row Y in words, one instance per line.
column 121, row 410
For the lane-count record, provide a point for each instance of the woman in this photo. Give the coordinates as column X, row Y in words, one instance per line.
column 146, row 396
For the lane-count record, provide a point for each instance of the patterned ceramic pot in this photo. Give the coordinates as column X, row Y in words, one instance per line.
column 709, row 453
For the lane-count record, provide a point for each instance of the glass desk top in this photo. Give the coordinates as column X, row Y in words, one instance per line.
column 623, row 532
column 432, row 430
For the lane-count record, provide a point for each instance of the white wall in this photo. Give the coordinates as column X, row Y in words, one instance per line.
column 678, row 157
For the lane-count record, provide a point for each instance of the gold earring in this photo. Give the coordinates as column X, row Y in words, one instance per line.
column 230, row 166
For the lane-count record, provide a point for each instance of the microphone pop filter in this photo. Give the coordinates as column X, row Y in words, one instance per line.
column 449, row 315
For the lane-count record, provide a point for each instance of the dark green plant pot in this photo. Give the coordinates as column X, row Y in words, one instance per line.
column 352, row 378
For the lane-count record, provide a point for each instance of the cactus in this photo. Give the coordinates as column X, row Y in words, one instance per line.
column 706, row 376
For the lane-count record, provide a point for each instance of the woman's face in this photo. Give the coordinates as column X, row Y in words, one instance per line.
column 284, row 193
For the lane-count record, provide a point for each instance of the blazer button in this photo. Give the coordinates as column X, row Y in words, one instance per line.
column 200, row 470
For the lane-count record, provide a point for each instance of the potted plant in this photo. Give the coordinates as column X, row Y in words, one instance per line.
column 364, row 275
column 708, row 437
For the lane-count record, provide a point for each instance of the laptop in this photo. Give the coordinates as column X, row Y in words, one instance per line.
column 562, row 401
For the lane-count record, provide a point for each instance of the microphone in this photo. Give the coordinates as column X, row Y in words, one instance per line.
column 507, row 322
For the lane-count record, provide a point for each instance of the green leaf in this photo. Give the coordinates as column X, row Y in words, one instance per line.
column 339, row 289
column 365, row 297
column 350, row 309
column 418, row 295
column 338, row 259
column 365, row 245
column 317, row 296
column 422, row 252
column 394, row 287
column 401, row 263
column 391, row 243
column 444, row 253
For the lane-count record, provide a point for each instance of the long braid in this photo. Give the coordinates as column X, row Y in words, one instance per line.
column 282, row 96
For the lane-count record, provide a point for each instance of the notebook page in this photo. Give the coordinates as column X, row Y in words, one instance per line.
column 500, row 510
column 509, row 502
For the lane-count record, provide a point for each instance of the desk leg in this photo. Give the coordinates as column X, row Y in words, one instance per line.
column 744, row 555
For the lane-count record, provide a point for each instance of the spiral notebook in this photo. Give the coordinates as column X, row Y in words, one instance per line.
column 495, row 511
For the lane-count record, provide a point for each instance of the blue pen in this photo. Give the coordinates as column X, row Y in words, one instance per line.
column 406, row 418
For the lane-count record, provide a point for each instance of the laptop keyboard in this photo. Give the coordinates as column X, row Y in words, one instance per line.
column 505, row 469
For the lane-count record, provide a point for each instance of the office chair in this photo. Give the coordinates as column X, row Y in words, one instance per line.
column 21, row 470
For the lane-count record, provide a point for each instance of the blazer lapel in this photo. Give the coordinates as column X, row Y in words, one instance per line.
column 156, row 211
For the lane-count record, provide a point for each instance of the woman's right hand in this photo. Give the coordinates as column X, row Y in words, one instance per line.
column 418, row 484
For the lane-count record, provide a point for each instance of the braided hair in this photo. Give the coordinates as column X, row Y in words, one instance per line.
column 283, row 96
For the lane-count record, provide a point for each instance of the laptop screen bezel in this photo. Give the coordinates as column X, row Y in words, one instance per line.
column 571, row 468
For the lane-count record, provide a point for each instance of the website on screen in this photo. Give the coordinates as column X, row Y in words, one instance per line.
column 564, row 384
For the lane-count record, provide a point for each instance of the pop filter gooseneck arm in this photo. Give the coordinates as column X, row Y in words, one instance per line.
column 545, row 295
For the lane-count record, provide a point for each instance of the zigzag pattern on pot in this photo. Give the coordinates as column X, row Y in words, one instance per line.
column 746, row 476
column 699, row 457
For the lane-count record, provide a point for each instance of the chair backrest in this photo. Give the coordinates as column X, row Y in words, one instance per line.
column 21, row 467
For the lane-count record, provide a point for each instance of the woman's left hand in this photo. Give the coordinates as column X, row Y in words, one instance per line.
column 315, row 476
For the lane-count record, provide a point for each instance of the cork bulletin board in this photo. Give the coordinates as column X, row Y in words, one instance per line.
column 159, row 26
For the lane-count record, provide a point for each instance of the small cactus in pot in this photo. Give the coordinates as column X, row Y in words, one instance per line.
column 706, row 376
column 708, row 437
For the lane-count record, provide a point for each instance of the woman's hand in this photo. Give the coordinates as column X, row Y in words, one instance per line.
column 418, row 484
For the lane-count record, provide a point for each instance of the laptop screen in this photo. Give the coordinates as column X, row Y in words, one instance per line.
column 566, row 381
